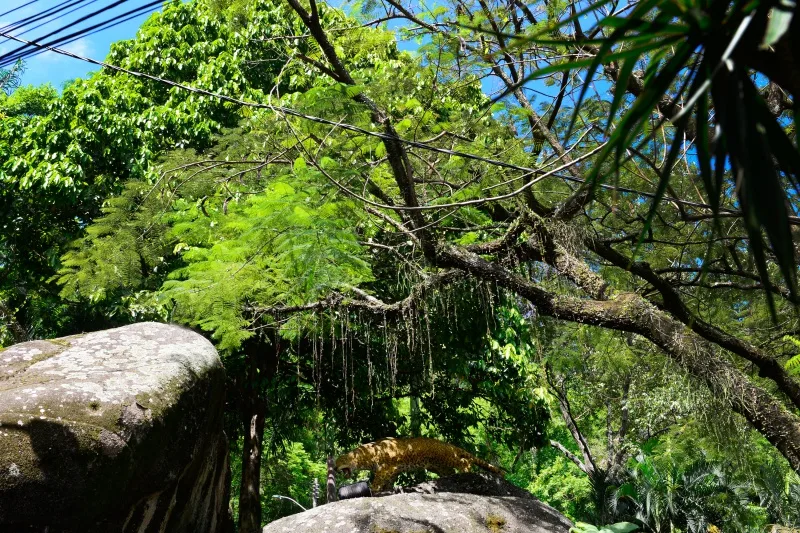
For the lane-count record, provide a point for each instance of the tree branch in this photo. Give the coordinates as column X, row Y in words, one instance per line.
column 366, row 302
column 395, row 150
column 631, row 312
column 569, row 455
column 768, row 366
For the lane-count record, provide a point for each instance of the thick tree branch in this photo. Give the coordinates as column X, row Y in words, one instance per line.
column 366, row 302
column 631, row 312
column 587, row 465
column 569, row 455
column 768, row 366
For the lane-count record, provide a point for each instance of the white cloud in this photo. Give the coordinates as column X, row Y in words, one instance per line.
column 81, row 47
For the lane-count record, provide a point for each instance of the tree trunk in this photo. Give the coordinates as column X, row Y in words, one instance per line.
column 261, row 365
column 416, row 417
column 15, row 328
column 253, row 419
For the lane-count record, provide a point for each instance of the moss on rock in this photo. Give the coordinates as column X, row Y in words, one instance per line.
column 93, row 426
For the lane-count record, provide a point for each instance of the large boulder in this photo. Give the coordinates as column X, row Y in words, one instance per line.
column 113, row 431
column 464, row 503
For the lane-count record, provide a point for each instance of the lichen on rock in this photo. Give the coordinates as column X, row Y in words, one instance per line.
column 463, row 503
column 117, row 430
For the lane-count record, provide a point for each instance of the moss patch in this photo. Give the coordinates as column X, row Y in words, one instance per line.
column 61, row 342
column 495, row 523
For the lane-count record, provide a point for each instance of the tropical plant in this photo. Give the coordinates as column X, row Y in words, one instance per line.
column 793, row 364
column 778, row 494
column 691, row 64
column 690, row 498
column 619, row 527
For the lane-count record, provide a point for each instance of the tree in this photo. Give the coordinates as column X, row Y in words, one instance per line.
column 28, row 101
column 373, row 184
column 651, row 304
column 60, row 163
column 10, row 78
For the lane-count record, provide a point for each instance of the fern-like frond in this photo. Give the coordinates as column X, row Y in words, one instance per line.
column 793, row 365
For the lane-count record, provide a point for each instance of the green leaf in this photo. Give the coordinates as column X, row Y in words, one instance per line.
column 621, row 527
column 793, row 365
column 780, row 18
column 763, row 187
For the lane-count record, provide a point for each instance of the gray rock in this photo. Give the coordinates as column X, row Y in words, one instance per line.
column 118, row 430
column 464, row 503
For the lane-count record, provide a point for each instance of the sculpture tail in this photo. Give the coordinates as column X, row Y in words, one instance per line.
column 488, row 466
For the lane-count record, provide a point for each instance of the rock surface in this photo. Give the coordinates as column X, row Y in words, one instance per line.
column 464, row 503
column 118, row 430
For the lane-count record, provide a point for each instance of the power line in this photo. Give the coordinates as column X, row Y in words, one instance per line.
column 18, row 8
column 64, row 15
column 89, row 34
column 60, row 11
column 40, row 15
column 91, row 30
column 18, row 53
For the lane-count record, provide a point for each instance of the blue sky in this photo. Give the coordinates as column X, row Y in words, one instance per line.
column 55, row 68
column 50, row 67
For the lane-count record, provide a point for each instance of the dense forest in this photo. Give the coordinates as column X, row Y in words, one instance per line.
column 559, row 235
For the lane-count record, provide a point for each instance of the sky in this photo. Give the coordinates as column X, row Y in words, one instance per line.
column 55, row 68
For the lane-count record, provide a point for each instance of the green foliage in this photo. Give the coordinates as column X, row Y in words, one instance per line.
column 291, row 473
column 558, row 482
column 286, row 246
column 63, row 157
column 28, row 101
column 178, row 207
column 777, row 493
column 9, row 78
column 619, row 527
column 205, row 251
column 691, row 497
column 498, row 370
column 793, row 364
column 662, row 41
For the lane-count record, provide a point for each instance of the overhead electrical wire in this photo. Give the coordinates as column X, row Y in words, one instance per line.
column 91, row 30
column 51, row 20
column 98, row 30
column 20, row 52
column 60, row 11
column 41, row 15
column 18, row 8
